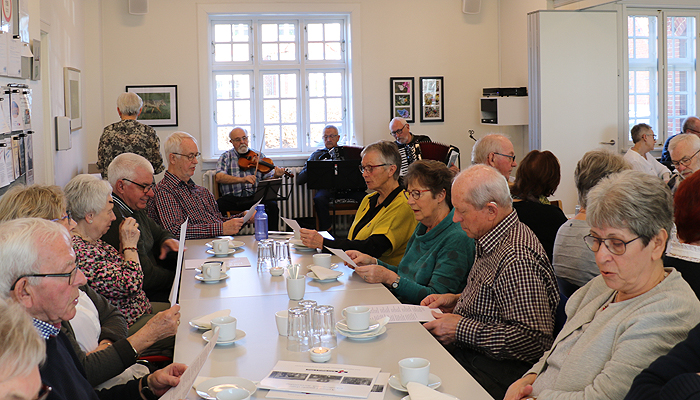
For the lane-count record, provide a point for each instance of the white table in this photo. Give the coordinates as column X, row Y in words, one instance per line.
column 254, row 298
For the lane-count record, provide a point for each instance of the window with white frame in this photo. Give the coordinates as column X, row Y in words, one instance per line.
column 662, row 84
column 283, row 79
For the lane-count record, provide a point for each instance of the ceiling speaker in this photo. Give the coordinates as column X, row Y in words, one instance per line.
column 471, row 6
column 140, row 7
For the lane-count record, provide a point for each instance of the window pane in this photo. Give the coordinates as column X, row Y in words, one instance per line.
column 271, row 86
column 316, row 85
column 680, row 79
column 289, row 136
column 288, row 51
column 289, row 111
column 288, row 85
column 272, row 136
column 642, row 85
column 241, row 110
column 222, row 139
column 333, row 51
column 315, row 135
column 222, row 33
column 643, row 71
column 272, row 111
column 269, row 51
column 222, row 52
column 224, row 112
column 241, row 89
column 315, row 51
column 269, row 32
column 332, row 32
column 317, row 110
column 240, row 33
column 241, row 52
column 334, row 110
column 223, row 86
column 314, row 32
column 287, row 32
column 334, row 84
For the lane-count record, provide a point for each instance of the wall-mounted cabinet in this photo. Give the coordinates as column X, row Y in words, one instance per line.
column 511, row 110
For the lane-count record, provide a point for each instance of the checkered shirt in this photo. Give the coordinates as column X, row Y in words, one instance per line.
column 509, row 303
column 228, row 164
column 45, row 329
column 176, row 200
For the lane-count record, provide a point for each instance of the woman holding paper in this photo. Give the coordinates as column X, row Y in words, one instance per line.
column 438, row 255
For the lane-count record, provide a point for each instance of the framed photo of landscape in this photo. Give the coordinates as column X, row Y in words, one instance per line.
column 159, row 104
column 402, row 98
column 431, row 98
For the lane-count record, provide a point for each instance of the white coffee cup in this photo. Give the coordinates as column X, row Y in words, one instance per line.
column 220, row 246
column 281, row 320
column 227, row 327
column 356, row 317
column 322, row 260
column 233, row 394
column 296, row 288
column 211, row 270
column 414, row 370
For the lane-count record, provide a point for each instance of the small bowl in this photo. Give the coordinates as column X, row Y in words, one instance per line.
column 276, row 271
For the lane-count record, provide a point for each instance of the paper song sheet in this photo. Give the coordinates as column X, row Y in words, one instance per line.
column 377, row 392
column 402, row 312
column 250, row 212
column 178, row 266
column 187, row 379
column 346, row 258
column 292, row 224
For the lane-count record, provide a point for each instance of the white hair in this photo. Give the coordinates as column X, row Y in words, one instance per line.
column 129, row 103
column 19, row 241
column 488, row 144
column 692, row 139
column 487, row 185
column 125, row 165
column 21, row 348
column 173, row 144
column 402, row 120
column 86, row 194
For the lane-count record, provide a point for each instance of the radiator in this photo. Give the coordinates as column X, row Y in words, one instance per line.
column 299, row 205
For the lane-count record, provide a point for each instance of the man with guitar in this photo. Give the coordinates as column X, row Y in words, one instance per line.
column 237, row 173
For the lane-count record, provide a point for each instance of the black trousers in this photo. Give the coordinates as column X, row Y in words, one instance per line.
column 495, row 376
column 230, row 202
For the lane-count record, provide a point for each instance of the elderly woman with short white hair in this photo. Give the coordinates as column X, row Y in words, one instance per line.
column 633, row 312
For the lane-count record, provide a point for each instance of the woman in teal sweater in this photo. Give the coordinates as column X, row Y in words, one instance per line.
column 439, row 255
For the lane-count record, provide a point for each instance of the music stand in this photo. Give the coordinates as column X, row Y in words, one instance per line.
column 335, row 175
column 268, row 190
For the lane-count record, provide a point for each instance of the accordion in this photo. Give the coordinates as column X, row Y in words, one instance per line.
column 444, row 153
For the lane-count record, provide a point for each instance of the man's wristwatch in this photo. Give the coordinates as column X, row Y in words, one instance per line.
column 146, row 392
column 395, row 284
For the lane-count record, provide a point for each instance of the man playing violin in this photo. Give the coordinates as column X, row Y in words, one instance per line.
column 237, row 185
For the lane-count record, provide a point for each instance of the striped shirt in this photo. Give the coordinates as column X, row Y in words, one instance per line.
column 177, row 200
column 228, row 164
column 509, row 303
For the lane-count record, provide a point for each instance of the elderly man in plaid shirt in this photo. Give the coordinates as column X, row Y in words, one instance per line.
column 503, row 321
column 178, row 197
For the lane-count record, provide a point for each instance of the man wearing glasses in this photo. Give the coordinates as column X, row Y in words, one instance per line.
column 684, row 150
column 238, row 185
column 690, row 125
column 38, row 272
column 131, row 177
column 495, row 151
column 639, row 156
column 322, row 198
column 399, row 129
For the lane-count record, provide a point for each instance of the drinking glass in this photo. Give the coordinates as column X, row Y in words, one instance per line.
column 265, row 257
column 311, row 306
column 324, row 327
column 298, row 329
column 282, row 253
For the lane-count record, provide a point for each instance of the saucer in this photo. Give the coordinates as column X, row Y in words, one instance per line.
column 315, row 278
column 230, row 251
column 200, row 327
column 364, row 336
column 395, row 382
column 232, row 244
column 209, row 388
column 239, row 335
column 343, row 326
column 409, row 397
column 199, row 277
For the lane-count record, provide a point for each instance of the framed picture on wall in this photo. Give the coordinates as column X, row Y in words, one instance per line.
column 159, row 104
column 71, row 96
column 431, row 98
column 402, row 103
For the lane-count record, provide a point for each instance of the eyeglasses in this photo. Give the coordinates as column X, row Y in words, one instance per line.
column 146, row 188
column 68, row 216
column 329, row 137
column 70, row 275
column 240, row 139
column 615, row 246
column 44, row 392
column 416, row 194
column 512, row 158
column 370, row 168
column 396, row 132
column 189, row 156
column 685, row 161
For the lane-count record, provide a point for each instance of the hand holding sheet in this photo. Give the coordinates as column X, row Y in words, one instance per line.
column 346, row 258
column 292, row 224
column 250, row 212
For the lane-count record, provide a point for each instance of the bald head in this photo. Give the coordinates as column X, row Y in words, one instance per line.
column 692, row 125
column 239, row 139
column 496, row 151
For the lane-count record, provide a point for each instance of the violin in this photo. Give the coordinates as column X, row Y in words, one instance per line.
column 264, row 165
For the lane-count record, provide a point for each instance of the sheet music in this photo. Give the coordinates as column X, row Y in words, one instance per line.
column 178, row 269
column 343, row 256
column 250, row 212
column 187, row 379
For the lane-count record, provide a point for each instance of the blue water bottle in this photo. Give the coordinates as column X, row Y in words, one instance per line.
column 260, row 222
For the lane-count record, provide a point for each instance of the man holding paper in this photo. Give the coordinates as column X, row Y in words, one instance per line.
column 177, row 197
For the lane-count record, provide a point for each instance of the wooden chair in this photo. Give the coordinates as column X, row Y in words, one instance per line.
column 337, row 209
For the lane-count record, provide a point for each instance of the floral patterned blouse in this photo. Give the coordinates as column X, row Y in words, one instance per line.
column 113, row 277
